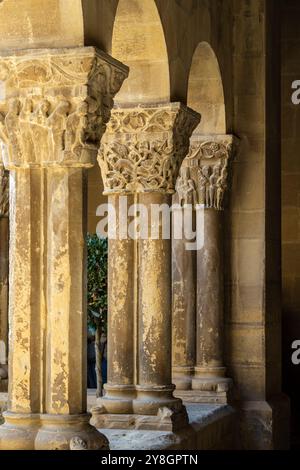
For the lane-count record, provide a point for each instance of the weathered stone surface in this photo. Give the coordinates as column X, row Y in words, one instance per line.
column 57, row 104
column 152, row 142
column 203, row 181
column 4, row 184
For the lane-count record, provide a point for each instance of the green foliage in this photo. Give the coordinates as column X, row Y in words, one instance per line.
column 97, row 282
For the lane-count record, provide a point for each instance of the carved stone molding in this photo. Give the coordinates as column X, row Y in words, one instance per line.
column 204, row 174
column 4, row 193
column 57, row 104
column 143, row 147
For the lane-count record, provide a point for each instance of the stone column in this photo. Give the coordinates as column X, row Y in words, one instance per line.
column 120, row 389
column 4, row 236
column 184, row 285
column 57, row 104
column 140, row 157
column 203, row 183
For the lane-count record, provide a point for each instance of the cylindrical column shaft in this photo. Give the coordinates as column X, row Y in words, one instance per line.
column 183, row 310
column 210, row 300
column 154, row 387
column 66, row 289
column 4, row 237
column 26, row 308
column 120, row 388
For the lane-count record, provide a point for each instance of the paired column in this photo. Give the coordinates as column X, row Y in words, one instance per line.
column 4, row 237
column 198, row 285
column 140, row 157
column 57, row 104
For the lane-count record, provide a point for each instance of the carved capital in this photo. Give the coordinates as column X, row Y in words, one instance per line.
column 204, row 174
column 56, row 105
column 4, row 193
column 143, row 147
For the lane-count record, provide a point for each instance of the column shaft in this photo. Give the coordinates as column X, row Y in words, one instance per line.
column 184, row 313
column 4, row 238
column 210, row 299
column 154, row 384
column 66, row 291
column 120, row 388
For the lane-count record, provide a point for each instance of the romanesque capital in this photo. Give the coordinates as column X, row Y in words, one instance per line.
column 143, row 147
column 204, row 174
column 4, row 193
column 55, row 105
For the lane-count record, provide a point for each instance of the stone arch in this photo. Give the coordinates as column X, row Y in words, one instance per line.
column 138, row 40
column 205, row 90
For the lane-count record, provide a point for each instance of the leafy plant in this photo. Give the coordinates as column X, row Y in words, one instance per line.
column 97, row 251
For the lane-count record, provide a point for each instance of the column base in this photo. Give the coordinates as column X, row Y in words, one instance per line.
column 209, row 390
column 167, row 419
column 182, row 377
column 151, row 399
column 69, row 432
column 19, row 431
column 50, row 432
column 153, row 408
column 118, row 399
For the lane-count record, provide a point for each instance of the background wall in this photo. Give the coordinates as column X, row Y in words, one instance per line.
column 28, row 24
column 185, row 24
column 290, row 49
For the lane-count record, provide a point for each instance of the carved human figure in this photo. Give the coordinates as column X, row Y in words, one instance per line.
column 221, row 187
column 76, row 125
column 185, row 187
column 202, row 184
column 57, row 122
column 95, row 120
column 212, row 184
column 40, row 131
column 13, row 127
column 25, row 126
column 206, row 172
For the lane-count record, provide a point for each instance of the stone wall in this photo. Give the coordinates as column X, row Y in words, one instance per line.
column 290, row 47
column 40, row 23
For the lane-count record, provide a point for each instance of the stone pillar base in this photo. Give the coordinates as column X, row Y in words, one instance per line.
column 216, row 390
column 167, row 419
column 182, row 377
column 151, row 399
column 265, row 425
column 19, row 431
column 50, row 432
column 117, row 399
